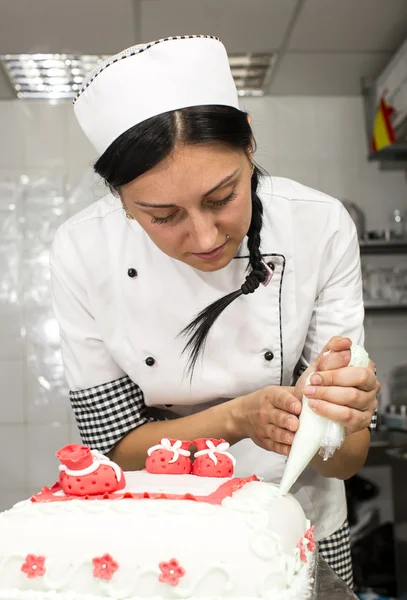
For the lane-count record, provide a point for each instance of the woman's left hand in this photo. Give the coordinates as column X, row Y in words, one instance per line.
column 346, row 395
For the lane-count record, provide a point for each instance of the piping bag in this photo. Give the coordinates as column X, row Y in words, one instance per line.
column 316, row 433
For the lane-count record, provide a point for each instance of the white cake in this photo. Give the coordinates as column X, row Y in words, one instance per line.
column 161, row 536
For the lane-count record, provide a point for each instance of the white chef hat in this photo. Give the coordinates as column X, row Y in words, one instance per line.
column 151, row 79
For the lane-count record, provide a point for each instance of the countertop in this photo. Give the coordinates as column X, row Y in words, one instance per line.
column 328, row 586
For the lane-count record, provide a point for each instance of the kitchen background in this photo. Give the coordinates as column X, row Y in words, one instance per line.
column 310, row 125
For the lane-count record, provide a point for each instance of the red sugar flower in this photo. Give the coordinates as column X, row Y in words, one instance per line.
column 301, row 548
column 171, row 572
column 309, row 535
column 105, row 567
column 34, row 566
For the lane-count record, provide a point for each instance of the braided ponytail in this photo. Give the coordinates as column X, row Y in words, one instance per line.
column 199, row 328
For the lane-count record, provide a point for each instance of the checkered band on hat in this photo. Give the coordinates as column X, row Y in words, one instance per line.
column 151, row 79
column 131, row 52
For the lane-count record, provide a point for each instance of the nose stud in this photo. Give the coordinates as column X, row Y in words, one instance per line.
column 228, row 237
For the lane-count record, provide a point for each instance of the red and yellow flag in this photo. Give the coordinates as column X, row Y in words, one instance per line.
column 383, row 132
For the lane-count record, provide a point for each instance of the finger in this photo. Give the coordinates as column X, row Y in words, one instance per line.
column 344, row 396
column 279, row 435
column 337, row 344
column 280, row 398
column 283, row 420
column 357, row 377
column 352, row 419
column 273, row 446
column 333, row 360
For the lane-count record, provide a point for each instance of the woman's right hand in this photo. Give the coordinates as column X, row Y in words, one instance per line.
column 269, row 417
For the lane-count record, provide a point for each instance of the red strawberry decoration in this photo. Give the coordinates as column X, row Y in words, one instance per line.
column 86, row 472
column 170, row 457
column 212, row 460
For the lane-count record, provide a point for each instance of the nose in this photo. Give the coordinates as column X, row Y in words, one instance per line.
column 204, row 233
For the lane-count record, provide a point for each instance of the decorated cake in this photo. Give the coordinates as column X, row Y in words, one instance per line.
column 184, row 527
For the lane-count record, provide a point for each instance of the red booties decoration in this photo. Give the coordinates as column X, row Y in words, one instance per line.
column 170, row 457
column 212, row 460
column 86, row 472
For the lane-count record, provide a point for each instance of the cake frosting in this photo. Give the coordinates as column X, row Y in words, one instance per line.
column 156, row 533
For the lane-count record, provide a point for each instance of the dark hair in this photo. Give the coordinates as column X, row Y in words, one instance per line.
column 145, row 145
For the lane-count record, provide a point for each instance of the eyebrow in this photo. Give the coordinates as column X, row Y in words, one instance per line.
column 208, row 193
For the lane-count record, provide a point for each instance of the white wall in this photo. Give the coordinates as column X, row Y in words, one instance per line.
column 45, row 177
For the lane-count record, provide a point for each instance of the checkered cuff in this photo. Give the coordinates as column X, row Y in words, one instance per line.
column 107, row 412
column 373, row 422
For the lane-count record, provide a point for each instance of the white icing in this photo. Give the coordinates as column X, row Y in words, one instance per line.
column 20, row 595
column 98, row 459
column 220, row 449
column 244, row 548
column 175, row 448
column 141, row 481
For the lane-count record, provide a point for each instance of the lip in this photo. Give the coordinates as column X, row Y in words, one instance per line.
column 213, row 254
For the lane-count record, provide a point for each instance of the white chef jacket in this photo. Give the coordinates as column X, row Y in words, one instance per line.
column 110, row 322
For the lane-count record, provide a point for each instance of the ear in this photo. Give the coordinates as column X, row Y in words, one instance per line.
column 250, row 151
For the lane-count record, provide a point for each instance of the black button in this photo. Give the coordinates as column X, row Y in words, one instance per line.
column 271, row 265
column 150, row 361
column 132, row 272
column 269, row 355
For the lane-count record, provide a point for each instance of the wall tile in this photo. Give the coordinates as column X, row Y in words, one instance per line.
column 75, row 437
column 43, row 441
column 304, row 171
column 45, row 400
column 78, row 151
column 13, row 452
column 13, row 134
column 12, row 343
column 338, row 180
column 45, row 134
column 12, row 385
column 294, row 133
column 10, row 497
column 83, row 187
column 46, row 389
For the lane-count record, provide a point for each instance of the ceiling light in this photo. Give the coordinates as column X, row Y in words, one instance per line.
column 59, row 76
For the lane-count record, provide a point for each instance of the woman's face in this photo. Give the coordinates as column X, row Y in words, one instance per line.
column 190, row 202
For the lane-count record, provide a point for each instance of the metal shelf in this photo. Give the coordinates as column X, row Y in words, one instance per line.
column 375, row 306
column 383, row 246
column 396, row 152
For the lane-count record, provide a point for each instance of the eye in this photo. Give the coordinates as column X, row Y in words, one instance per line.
column 225, row 201
column 163, row 220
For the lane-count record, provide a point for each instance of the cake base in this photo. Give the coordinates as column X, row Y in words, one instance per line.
column 251, row 543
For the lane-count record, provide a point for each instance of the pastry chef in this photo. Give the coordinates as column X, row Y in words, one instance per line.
column 192, row 296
